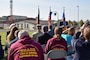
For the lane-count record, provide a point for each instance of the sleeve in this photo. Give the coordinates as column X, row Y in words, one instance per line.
column 66, row 46
column 66, row 23
column 34, row 37
column 42, row 54
column 47, row 48
column 76, row 36
column 74, row 40
column 69, row 38
column 10, row 56
column 39, row 40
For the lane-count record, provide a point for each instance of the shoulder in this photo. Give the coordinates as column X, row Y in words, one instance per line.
column 64, row 35
column 51, row 39
column 34, row 33
column 39, row 33
column 79, row 42
column 41, row 36
column 66, row 21
column 68, row 36
column 14, row 46
column 36, row 44
column 61, row 22
column 62, row 39
column 49, row 34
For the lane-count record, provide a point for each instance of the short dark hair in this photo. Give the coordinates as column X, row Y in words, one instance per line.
column 45, row 28
column 50, row 27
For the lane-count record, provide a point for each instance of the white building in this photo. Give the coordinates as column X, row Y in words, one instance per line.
column 25, row 24
column 22, row 22
column 29, row 24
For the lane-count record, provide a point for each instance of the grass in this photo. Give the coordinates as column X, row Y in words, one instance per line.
column 3, row 37
column 3, row 41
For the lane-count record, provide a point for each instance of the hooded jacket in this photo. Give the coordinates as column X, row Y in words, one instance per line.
column 25, row 49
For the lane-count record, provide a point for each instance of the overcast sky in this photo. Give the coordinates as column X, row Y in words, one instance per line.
column 29, row 8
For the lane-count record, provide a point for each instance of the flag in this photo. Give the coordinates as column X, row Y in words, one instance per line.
column 65, row 23
column 49, row 18
column 63, row 16
column 38, row 18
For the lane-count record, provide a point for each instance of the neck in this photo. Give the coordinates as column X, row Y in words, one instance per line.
column 57, row 36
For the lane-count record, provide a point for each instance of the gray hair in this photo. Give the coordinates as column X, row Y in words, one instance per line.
column 22, row 33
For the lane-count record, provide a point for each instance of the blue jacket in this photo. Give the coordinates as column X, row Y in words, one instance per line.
column 68, row 38
column 51, row 32
column 81, row 48
column 13, row 41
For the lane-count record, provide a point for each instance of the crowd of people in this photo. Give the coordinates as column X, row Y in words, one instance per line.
column 21, row 46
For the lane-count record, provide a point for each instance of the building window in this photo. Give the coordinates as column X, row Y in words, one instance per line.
column 21, row 26
column 17, row 25
column 27, row 26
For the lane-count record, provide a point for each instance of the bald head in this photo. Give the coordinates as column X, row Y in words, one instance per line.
column 87, row 33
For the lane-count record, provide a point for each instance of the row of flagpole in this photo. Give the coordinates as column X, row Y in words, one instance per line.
column 50, row 16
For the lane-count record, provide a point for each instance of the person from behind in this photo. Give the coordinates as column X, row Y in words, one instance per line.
column 69, row 35
column 7, row 33
column 25, row 48
column 56, row 43
column 81, row 47
column 44, row 37
column 12, row 25
column 82, row 31
column 16, row 37
column 11, row 35
column 38, row 33
column 51, row 30
column 68, row 38
column 1, row 50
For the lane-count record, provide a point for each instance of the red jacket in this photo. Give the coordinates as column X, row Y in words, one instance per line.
column 26, row 49
column 56, row 43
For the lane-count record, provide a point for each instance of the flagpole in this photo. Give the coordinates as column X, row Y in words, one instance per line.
column 38, row 17
column 64, row 13
column 63, row 9
column 78, row 15
column 49, row 18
